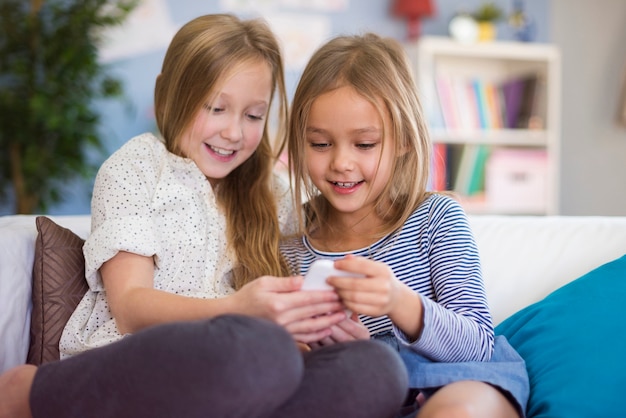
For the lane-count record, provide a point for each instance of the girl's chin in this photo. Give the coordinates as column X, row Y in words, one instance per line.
column 215, row 176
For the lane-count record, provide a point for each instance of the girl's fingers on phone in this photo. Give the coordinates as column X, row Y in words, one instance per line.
column 320, row 323
column 351, row 329
column 312, row 311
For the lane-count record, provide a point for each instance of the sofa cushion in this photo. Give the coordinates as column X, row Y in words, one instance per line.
column 58, row 285
column 573, row 342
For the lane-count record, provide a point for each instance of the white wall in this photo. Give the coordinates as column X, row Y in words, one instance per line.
column 592, row 38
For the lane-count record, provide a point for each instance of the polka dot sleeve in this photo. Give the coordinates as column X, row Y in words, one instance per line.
column 122, row 206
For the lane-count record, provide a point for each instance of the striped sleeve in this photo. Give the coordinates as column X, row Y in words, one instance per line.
column 435, row 254
column 457, row 320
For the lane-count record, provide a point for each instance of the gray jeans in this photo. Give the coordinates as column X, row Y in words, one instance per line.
column 229, row 366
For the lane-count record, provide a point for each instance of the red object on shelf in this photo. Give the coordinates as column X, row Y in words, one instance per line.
column 413, row 11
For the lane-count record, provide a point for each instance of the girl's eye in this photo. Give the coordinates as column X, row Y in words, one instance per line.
column 319, row 145
column 366, row 146
column 256, row 117
column 212, row 109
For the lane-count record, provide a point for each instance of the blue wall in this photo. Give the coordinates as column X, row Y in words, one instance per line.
column 122, row 120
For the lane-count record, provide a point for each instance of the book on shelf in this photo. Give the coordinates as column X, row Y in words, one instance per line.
column 465, row 168
column 524, row 102
column 460, row 168
column 494, row 105
column 471, row 103
column 443, row 169
column 467, row 106
column 477, row 175
column 527, row 102
column 538, row 113
column 512, row 93
column 481, row 102
column 438, row 171
column 470, row 174
column 447, row 102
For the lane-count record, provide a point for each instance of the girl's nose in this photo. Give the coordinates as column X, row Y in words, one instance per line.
column 342, row 160
column 233, row 130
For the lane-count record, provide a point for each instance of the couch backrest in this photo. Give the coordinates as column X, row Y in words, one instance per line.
column 524, row 258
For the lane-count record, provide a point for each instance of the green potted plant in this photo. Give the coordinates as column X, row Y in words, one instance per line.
column 50, row 77
column 487, row 15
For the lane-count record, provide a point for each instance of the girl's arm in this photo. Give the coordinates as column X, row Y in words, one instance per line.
column 135, row 304
column 456, row 310
column 444, row 315
column 427, row 326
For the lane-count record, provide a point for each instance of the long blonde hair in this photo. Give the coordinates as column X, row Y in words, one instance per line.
column 378, row 69
column 202, row 54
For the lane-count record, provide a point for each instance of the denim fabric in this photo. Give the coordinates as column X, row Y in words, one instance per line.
column 506, row 370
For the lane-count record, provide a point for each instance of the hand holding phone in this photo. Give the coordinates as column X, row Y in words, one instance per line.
column 319, row 271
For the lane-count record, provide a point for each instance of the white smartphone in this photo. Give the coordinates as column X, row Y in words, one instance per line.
column 319, row 271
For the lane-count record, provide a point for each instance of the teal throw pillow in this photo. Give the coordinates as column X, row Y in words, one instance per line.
column 574, row 345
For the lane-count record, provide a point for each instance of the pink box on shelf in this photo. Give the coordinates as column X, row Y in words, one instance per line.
column 515, row 181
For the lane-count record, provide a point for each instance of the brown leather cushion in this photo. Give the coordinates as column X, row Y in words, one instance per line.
column 58, row 285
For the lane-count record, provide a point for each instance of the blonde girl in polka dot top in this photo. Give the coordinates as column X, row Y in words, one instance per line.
column 190, row 311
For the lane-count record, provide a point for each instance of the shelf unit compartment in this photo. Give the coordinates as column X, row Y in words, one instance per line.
column 445, row 70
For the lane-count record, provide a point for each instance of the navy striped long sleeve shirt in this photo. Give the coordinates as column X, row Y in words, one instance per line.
column 436, row 255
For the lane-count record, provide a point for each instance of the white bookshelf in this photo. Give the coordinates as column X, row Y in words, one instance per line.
column 495, row 62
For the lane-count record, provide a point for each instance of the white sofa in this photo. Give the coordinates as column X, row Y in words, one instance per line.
column 524, row 259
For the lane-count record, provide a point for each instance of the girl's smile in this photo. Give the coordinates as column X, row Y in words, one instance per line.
column 346, row 187
column 221, row 154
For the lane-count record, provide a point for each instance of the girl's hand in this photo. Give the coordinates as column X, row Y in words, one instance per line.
column 350, row 329
column 307, row 315
column 375, row 295
column 379, row 293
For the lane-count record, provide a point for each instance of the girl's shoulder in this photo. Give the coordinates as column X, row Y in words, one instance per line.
column 141, row 147
column 144, row 144
column 438, row 205
column 139, row 163
column 438, row 213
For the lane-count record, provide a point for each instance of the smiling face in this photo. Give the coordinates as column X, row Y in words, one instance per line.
column 227, row 131
column 344, row 154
